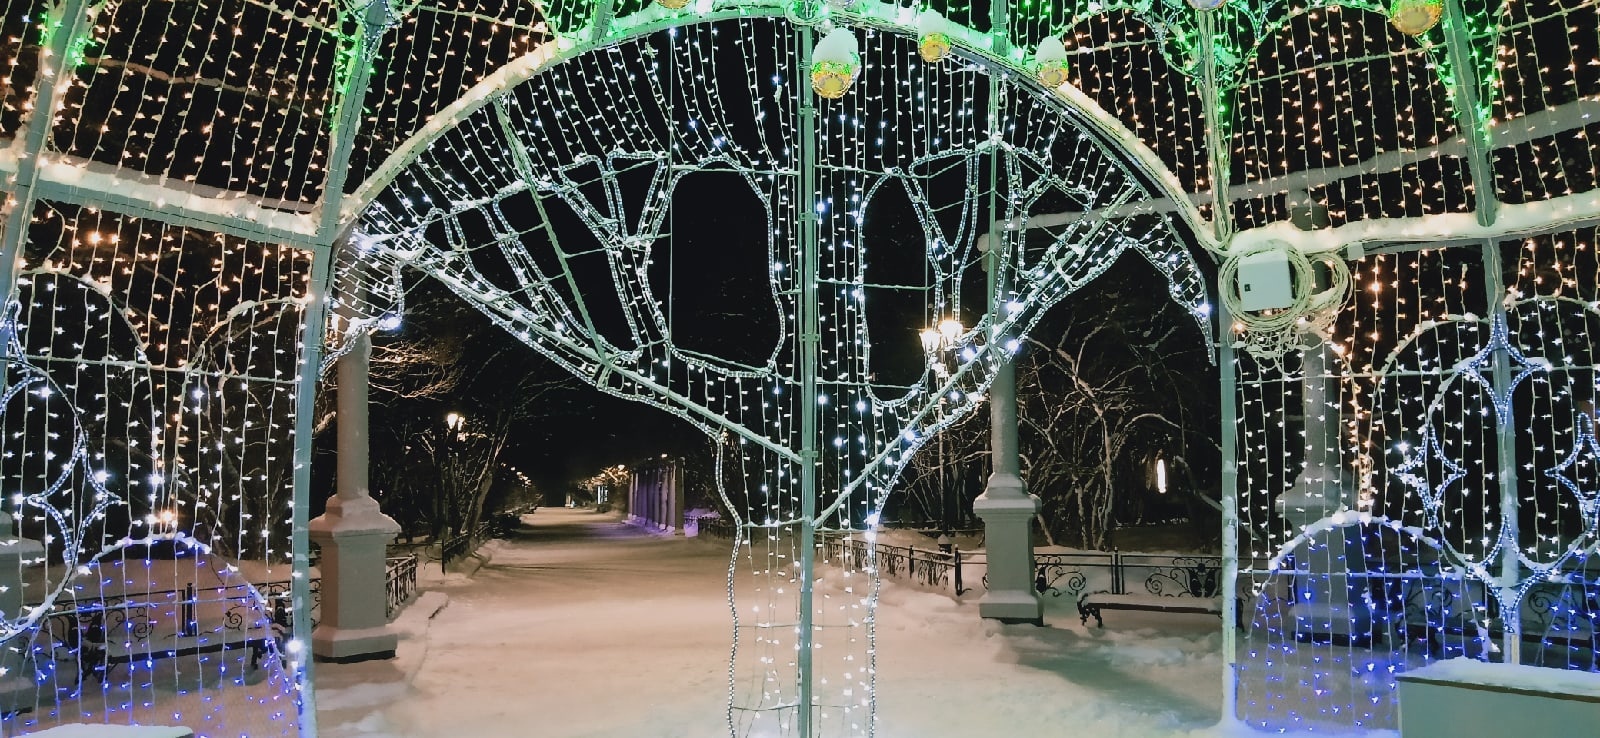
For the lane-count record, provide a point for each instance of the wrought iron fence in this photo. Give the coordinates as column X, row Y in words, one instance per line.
column 714, row 527
column 465, row 543
column 1069, row 575
column 400, row 575
column 1173, row 575
column 929, row 568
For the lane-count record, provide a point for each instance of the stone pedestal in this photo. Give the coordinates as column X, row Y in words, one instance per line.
column 354, row 536
column 1329, row 603
column 1007, row 511
column 17, row 690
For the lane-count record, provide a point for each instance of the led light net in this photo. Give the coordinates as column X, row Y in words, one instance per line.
column 1542, row 81
column 534, row 156
column 1423, row 488
column 150, row 382
column 1334, row 108
column 241, row 106
column 157, row 158
column 429, row 55
column 1413, row 486
column 551, row 208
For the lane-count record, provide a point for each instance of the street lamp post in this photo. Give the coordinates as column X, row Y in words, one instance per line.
column 941, row 343
column 1006, row 507
column 353, row 533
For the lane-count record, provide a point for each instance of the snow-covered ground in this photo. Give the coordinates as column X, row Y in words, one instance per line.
column 583, row 626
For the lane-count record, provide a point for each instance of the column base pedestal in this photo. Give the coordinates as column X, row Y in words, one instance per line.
column 347, row 646
column 1012, row 608
column 1007, row 512
column 353, row 535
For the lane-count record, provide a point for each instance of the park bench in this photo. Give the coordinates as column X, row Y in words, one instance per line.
column 1171, row 584
column 166, row 625
column 1091, row 604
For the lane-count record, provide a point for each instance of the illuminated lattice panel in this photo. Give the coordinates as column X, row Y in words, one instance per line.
column 1294, row 671
column 549, row 208
column 436, row 52
column 1554, row 282
column 1470, row 430
column 229, row 94
column 1394, row 340
column 1126, row 67
column 153, row 393
column 1336, row 107
column 1542, row 96
column 22, row 32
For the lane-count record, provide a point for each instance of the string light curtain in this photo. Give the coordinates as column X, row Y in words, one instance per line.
column 150, row 381
column 548, row 208
column 162, row 162
column 180, row 175
column 1413, row 479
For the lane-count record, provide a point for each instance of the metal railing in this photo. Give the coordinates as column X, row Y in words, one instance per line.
column 714, row 527
column 1171, row 575
column 1069, row 575
column 463, row 544
column 929, row 568
column 400, row 577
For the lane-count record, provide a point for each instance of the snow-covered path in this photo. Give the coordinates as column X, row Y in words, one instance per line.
column 582, row 626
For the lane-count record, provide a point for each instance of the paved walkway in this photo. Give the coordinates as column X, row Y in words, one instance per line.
column 580, row 626
column 548, row 638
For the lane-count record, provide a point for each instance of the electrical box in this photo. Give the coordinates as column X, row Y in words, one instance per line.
column 1264, row 281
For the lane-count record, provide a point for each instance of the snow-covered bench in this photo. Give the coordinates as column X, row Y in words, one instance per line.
column 100, row 730
column 1091, row 604
column 134, row 632
column 101, row 663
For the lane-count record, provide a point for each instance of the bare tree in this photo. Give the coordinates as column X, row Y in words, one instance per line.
column 1112, row 381
column 450, row 394
column 1099, row 399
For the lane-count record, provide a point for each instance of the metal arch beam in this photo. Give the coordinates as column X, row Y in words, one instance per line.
column 1116, row 138
column 78, row 182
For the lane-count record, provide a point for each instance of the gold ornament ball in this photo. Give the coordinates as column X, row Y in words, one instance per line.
column 1053, row 73
column 1415, row 17
column 832, row 79
column 934, row 46
column 672, row 4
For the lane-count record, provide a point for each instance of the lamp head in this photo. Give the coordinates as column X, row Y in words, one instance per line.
column 950, row 329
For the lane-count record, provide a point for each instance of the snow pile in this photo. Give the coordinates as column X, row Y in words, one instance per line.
column 1510, row 676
